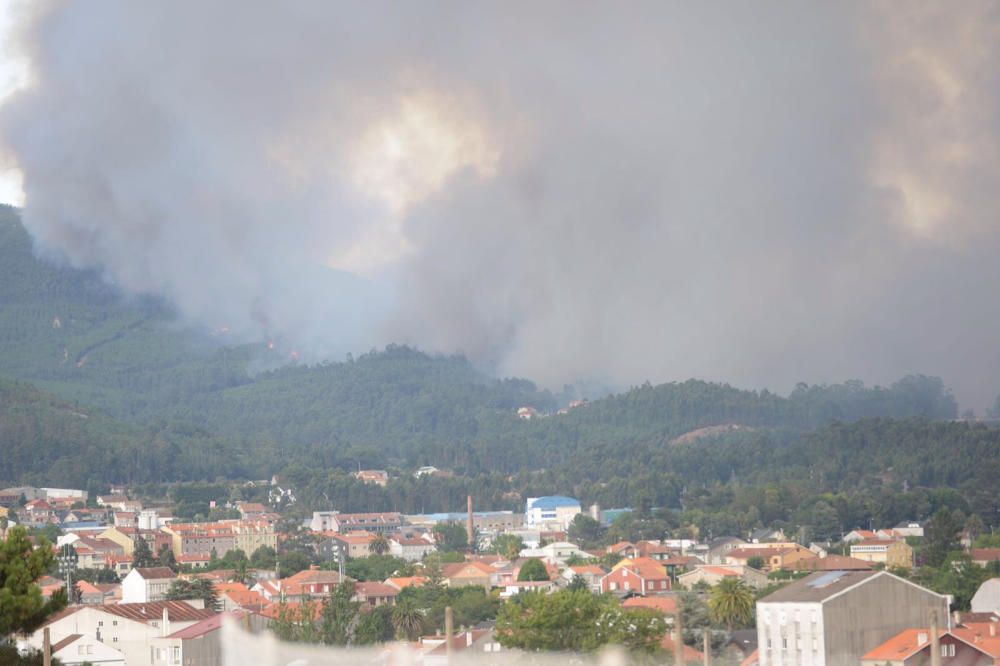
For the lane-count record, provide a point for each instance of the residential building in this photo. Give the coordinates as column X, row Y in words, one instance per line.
column 128, row 628
column 773, row 558
column 144, row 585
column 555, row 511
column 375, row 594
column 357, row 544
column 462, row 574
column 858, row 535
column 556, row 553
column 712, row 575
column 411, row 549
column 199, row 644
column 640, row 577
column 379, row 477
column 987, row 597
column 833, row 618
column 251, row 511
column 718, row 549
column 911, row 647
column 590, row 573
column 200, row 538
column 890, row 552
column 335, row 521
column 518, row 586
column 983, row 556
column 830, row 563
column 909, row 528
column 80, row 650
column 766, row 534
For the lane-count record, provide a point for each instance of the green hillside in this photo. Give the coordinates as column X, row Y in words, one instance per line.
column 105, row 388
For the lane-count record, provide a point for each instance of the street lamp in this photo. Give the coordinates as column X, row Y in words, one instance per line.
column 67, row 559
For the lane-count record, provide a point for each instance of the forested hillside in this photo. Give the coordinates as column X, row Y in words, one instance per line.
column 125, row 394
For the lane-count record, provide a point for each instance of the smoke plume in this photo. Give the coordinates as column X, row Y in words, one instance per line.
column 566, row 191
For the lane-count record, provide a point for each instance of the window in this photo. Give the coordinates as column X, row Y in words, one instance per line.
column 944, row 650
column 114, row 639
column 951, row 650
column 784, row 643
column 815, row 643
column 768, row 642
column 614, row 586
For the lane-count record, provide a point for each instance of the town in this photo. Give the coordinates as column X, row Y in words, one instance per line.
column 140, row 586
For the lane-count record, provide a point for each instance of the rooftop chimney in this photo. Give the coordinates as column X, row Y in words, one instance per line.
column 165, row 625
column 921, row 638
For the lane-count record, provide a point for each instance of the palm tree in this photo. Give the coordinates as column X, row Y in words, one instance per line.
column 731, row 602
column 379, row 545
column 407, row 619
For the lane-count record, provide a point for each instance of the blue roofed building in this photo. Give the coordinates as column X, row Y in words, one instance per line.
column 551, row 512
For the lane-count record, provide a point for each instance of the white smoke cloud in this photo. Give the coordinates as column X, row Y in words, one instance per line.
column 568, row 191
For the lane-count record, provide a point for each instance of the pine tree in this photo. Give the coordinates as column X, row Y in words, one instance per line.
column 22, row 607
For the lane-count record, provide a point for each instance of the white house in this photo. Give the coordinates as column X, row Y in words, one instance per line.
column 554, row 511
column 144, row 585
column 556, row 553
column 411, row 549
column 127, row 628
column 77, row 650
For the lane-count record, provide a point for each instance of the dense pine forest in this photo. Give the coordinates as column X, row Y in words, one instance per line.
column 97, row 388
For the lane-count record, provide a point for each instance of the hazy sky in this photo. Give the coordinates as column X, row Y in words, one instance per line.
column 572, row 192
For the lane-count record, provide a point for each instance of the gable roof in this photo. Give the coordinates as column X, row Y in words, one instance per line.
column 64, row 642
column 177, row 611
column 206, row 626
column 666, row 605
column 831, row 563
column 820, row 586
column 902, row 646
column 155, row 573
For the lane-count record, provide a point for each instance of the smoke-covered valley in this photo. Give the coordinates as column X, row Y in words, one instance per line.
column 573, row 193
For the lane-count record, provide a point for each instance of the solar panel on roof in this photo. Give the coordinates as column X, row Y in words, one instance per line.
column 828, row 578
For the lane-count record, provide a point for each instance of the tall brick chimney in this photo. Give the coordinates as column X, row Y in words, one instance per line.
column 469, row 530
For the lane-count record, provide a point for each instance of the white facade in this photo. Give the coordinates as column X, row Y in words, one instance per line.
column 987, row 597
column 139, row 590
column 65, row 493
column 324, row 521
column 132, row 638
column 790, row 633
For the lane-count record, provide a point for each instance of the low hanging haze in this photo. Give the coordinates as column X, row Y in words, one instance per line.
column 569, row 191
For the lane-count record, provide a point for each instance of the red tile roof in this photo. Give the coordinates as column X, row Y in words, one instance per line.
column 666, row 605
column 206, row 626
column 901, row 646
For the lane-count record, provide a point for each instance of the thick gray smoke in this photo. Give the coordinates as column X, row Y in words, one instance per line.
column 568, row 191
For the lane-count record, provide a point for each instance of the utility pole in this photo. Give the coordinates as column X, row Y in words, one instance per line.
column 449, row 625
column 707, row 640
column 935, row 641
column 46, row 648
column 678, row 640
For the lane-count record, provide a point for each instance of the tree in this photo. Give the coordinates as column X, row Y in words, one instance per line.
column 165, row 558
column 374, row 626
column 407, row 620
column 379, row 545
column 531, row 570
column 263, row 558
column 340, row 615
column 731, row 602
column 508, row 546
column 942, row 532
column 578, row 584
column 755, row 562
column 22, row 607
column 451, row 536
column 584, row 530
column 576, row 621
column 199, row 588
column 142, row 554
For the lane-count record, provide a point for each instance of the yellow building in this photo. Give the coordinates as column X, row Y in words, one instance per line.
column 890, row 552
